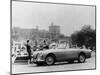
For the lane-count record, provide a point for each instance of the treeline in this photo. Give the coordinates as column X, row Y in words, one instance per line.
column 86, row 36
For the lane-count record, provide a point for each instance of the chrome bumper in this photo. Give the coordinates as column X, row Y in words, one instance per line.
column 38, row 60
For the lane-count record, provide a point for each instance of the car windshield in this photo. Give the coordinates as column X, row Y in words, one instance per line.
column 61, row 46
column 57, row 46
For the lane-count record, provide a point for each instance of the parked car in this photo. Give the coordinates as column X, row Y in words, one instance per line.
column 50, row 56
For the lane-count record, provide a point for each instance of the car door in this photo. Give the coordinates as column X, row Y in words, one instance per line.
column 66, row 54
column 70, row 54
column 60, row 55
column 63, row 54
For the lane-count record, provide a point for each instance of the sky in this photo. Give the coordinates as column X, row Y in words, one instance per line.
column 70, row 18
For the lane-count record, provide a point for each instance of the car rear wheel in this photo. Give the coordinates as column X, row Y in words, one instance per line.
column 50, row 60
column 81, row 58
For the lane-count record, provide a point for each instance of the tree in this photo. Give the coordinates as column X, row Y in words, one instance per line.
column 86, row 36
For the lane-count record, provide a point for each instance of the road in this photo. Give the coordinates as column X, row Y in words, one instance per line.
column 33, row 68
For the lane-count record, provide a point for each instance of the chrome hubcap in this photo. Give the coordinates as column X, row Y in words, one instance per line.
column 49, row 60
column 82, row 58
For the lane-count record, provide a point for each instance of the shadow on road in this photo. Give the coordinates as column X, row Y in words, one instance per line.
column 56, row 64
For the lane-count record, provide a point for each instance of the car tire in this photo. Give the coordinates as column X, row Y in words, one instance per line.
column 81, row 58
column 50, row 60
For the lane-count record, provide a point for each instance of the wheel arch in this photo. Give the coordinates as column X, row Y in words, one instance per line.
column 51, row 54
column 82, row 53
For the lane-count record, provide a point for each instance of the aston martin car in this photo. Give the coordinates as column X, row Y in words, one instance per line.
column 50, row 56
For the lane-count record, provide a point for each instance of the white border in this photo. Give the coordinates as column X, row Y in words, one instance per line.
column 5, row 37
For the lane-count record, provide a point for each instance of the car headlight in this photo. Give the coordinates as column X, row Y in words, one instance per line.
column 40, row 55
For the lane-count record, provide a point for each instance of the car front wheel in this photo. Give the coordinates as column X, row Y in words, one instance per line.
column 50, row 60
column 81, row 58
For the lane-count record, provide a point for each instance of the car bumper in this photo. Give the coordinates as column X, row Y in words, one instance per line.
column 35, row 60
column 88, row 55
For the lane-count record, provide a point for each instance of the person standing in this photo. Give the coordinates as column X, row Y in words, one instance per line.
column 28, row 47
column 45, row 45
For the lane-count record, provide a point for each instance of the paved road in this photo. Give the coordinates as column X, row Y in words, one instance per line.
column 27, row 68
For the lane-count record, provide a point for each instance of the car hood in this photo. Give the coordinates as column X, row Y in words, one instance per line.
column 42, row 51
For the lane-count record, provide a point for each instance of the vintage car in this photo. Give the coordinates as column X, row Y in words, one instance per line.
column 50, row 56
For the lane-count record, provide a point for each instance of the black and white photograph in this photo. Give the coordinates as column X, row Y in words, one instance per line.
column 52, row 37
